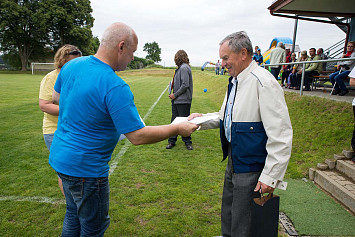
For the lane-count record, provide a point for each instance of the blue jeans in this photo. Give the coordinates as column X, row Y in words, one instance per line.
column 48, row 138
column 338, row 78
column 87, row 202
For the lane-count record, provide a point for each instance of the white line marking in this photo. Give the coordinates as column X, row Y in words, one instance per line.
column 112, row 169
column 33, row 199
column 127, row 143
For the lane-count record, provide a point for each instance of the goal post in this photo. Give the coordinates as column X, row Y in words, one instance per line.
column 42, row 67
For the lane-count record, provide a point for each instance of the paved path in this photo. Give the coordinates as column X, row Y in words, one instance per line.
column 326, row 94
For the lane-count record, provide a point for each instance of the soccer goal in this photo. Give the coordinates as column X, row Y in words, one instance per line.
column 42, row 67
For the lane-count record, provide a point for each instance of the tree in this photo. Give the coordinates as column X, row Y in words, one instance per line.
column 22, row 28
column 70, row 23
column 28, row 26
column 153, row 51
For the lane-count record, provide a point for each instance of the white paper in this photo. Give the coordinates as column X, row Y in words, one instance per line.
column 197, row 120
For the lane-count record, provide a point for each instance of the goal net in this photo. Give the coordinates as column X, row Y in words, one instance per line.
column 42, row 67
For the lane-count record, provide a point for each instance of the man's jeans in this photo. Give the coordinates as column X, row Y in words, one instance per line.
column 87, row 202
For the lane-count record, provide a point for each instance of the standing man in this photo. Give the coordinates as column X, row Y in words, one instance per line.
column 255, row 131
column 312, row 69
column 218, row 65
column 96, row 107
column 181, row 99
column 277, row 55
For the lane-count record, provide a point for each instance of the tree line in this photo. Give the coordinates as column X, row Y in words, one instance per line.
column 32, row 30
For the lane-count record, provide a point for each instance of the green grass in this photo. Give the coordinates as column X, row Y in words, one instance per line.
column 154, row 191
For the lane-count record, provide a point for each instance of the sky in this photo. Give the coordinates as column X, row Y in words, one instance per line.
column 198, row 26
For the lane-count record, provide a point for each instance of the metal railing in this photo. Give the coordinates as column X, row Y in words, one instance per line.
column 308, row 62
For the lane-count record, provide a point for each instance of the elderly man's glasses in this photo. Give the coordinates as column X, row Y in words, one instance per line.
column 75, row 52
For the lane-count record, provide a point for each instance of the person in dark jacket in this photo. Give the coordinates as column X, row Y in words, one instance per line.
column 181, row 94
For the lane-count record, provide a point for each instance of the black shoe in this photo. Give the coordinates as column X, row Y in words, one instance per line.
column 170, row 145
column 189, row 147
column 306, row 89
column 342, row 93
column 335, row 92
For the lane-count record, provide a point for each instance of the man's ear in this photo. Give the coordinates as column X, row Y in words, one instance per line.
column 244, row 53
column 120, row 46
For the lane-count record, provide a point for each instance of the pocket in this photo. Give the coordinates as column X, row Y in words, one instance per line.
column 250, row 142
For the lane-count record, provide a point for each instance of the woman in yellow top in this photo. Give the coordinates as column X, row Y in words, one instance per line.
column 51, row 110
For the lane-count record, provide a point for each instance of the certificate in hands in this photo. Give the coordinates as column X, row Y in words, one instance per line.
column 197, row 120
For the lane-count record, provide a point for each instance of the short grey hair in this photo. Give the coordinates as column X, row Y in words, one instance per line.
column 280, row 44
column 237, row 41
column 116, row 33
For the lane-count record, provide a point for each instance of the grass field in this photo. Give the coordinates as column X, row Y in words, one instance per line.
column 155, row 192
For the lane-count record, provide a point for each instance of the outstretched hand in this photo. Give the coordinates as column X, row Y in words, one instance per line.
column 186, row 128
column 193, row 115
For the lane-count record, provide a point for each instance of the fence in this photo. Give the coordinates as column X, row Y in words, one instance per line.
column 308, row 62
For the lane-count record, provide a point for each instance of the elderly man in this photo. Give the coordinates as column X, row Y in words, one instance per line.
column 96, row 107
column 277, row 55
column 255, row 132
column 311, row 69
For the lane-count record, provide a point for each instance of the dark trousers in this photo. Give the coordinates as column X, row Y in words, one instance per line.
column 276, row 71
column 308, row 78
column 238, row 194
column 284, row 77
column 180, row 110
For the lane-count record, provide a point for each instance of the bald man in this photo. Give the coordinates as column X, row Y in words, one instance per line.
column 96, row 108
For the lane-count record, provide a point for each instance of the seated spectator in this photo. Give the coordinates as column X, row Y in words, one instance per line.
column 344, row 68
column 258, row 57
column 297, row 71
column 323, row 57
column 288, row 70
column 312, row 69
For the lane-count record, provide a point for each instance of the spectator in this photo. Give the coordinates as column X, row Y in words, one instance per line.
column 289, row 69
column 277, row 55
column 258, row 58
column 312, row 69
column 256, row 50
column 51, row 110
column 218, row 65
column 96, row 107
column 222, row 71
column 255, row 134
column 344, row 68
column 297, row 71
column 286, row 68
column 323, row 57
column 181, row 99
column 352, row 83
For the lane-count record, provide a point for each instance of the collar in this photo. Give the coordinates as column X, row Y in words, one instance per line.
column 245, row 73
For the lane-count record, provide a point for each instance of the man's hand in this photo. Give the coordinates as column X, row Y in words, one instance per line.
column 194, row 115
column 264, row 188
column 172, row 96
column 186, row 128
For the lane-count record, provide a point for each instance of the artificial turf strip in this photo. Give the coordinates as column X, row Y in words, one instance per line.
column 314, row 213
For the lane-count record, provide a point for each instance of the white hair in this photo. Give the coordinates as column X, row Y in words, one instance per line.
column 115, row 33
column 237, row 41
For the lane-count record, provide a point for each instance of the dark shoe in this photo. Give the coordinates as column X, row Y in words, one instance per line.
column 342, row 93
column 170, row 145
column 189, row 147
column 306, row 89
column 335, row 92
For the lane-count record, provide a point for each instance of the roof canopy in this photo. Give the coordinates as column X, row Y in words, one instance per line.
column 315, row 8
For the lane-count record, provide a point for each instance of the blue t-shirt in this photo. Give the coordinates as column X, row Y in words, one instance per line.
column 96, row 106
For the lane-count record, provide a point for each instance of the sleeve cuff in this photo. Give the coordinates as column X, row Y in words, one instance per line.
column 274, row 183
